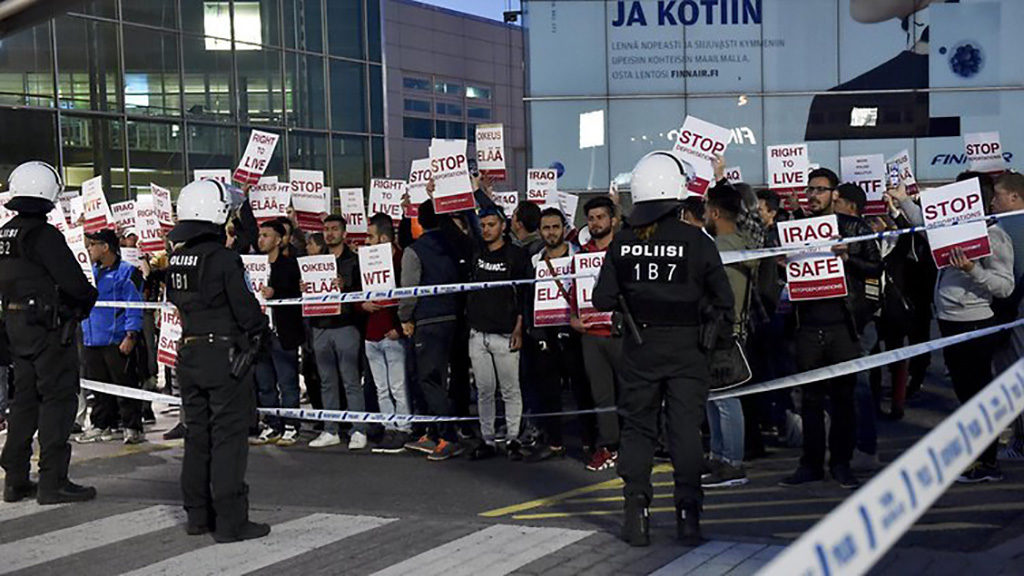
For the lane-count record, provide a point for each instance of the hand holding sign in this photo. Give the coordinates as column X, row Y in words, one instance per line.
column 701, row 144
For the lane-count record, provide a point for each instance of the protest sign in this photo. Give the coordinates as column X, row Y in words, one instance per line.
column 954, row 203
column 222, row 175
column 386, row 197
column 257, row 270
column 310, row 199
column 699, row 142
column 584, row 264
column 56, row 218
column 900, row 171
column 131, row 256
column 319, row 277
column 64, row 199
column 5, row 214
column 816, row 275
column 490, row 150
column 75, row 237
column 984, row 152
column 541, row 186
column 550, row 307
column 788, row 166
column 77, row 217
column 377, row 270
column 354, row 211
column 419, row 177
column 124, row 214
column 568, row 203
column 162, row 205
column 508, row 201
column 453, row 190
column 868, row 172
column 147, row 226
column 94, row 203
column 734, row 174
column 257, row 156
column 265, row 200
column 170, row 336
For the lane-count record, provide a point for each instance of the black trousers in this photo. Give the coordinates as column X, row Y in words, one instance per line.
column 45, row 399
column 107, row 364
column 818, row 346
column 970, row 366
column 668, row 370
column 561, row 361
column 433, row 344
column 218, row 409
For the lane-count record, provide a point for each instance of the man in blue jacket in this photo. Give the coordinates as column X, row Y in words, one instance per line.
column 110, row 336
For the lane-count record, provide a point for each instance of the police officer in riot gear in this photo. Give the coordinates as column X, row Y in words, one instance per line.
column 222, row 327
column 44, row 296
column 668, row 277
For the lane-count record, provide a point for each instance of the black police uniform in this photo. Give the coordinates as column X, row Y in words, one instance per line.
column 221, row 324
column 663, row 283
column 45, row 295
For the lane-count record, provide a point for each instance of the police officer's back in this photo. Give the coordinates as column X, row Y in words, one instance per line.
column 44, row 296
column 658, row 272
column 222, row 325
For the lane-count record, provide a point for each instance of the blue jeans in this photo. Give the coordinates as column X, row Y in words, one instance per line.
column 867, row 433
column 725, row 419
column 387, row 364
column 277, row 379
column 337, row 360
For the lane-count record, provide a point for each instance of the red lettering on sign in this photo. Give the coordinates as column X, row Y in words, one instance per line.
column 952, row 207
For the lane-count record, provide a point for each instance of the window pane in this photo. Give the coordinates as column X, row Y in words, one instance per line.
column 479, row 113
column 412, row 105
column 101, row 8
column 155, row 155
column 153, row 12
column 257, row 22
column 27, row 135
column 345, row 28
column 308, row 151
column 94, row 147
column 303, row 25
column 348, row 96
column 448, row 87
column 259, row 80
column 376, row 100
column 26, row 68
column 416, row 84
column 87, row 61
column 208, row 81
column 151, row 83
column 446, row 129
column 304, row 91
column 379, row 164
column 351, row 160
column 212, row 146
column 373, row 24
column 449, row 109
column 212, row 19
column 417, row 128
column 477, row 92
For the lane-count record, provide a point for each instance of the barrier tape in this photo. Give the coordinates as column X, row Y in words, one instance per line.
column 854, row 536
column 729, row 257
column 809, row 377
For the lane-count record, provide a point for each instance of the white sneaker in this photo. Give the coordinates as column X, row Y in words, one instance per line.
column 324, row 440
column 357, row 441
column 289, row 438
column 134, row 436
column 92, row 435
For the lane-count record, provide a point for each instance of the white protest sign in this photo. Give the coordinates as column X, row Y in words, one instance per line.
column 353, row 210
column 868, row 172
column 386, row 197
column 75, row 238
column 377, row 269
column 584, row 264
column 56, row 218
column 788, row 166
column 265, row 200
column 698, row 143
column 77, row 205
column 419, row 177
column 147, row 226
column 310, row 199
column 131, row 256
column 162, row 205
column 170, row 336
column 5, row 214
column 64, row 198
column 954, row 203
column 550, row 308
column 541, row 185
column 319, row 277
column 222, row 175
column 257, row 269
column 568, row 203
column 94, row 203
column 508, row 201
column 453, row 190
column 734, row 174
column 124, row 214
column 257, row 156
column 816, row 275
column 900, row 170
column 984, row 152
column 490, row 150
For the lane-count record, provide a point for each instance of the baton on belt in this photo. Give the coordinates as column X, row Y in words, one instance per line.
column 630, row 323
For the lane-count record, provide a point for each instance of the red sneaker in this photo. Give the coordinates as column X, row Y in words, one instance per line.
column 603, row 459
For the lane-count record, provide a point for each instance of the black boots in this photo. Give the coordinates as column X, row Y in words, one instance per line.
column 248, row 531
column 70, row 492
column 18, row 492
column 688, row 524
column 636, row 527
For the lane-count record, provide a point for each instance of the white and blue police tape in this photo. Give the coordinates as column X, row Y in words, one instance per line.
column 863, row 363
column 854, row 536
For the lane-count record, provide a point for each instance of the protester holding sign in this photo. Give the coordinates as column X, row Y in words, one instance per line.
column 449, row 171
column 700, row 143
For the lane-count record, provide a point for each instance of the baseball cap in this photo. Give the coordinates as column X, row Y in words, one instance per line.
column 106, row 236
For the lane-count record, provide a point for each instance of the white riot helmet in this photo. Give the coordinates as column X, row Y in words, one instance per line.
column 658, row 183
column 204, row 201
column 35, row 180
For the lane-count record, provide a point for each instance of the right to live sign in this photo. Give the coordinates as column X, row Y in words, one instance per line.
column 952, row 204
column 788, row 165
column 815, row 275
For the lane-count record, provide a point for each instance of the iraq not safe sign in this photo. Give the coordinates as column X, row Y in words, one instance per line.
column 813, row 275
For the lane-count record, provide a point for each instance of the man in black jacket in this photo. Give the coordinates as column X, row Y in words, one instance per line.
column 828, row 333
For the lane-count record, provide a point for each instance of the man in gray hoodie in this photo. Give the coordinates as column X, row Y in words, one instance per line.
column 963, row 302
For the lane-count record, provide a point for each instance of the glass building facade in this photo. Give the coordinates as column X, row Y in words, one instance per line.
column 143, row 91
